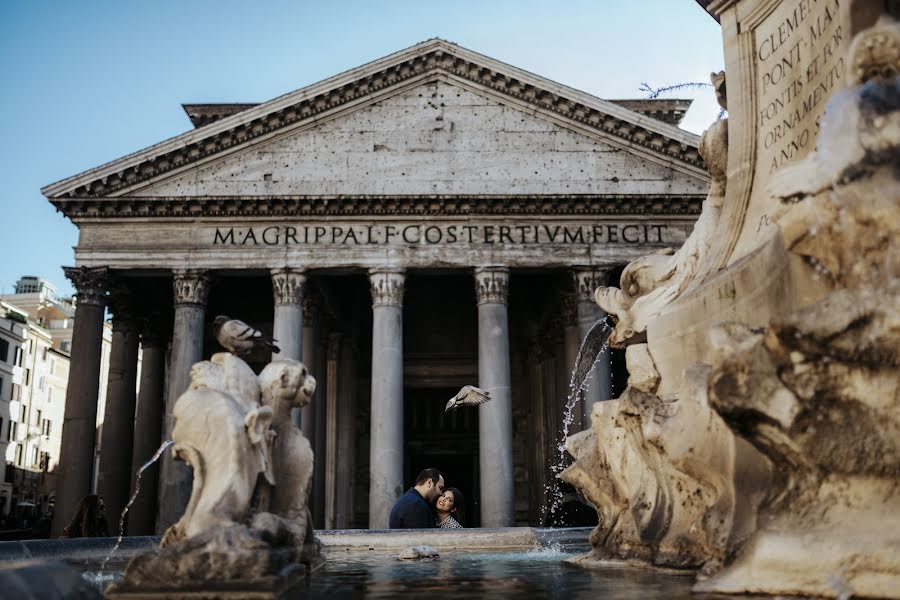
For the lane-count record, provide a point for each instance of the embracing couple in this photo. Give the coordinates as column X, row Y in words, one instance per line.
column 428, row 504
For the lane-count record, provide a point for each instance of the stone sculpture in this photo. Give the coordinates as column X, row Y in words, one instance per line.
column 650, row 283
column 247, row 522
column 286, row 385
column 815, row 390
column 818, row 391
column 662, row 471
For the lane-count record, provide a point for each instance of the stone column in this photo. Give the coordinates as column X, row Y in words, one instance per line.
column 148, row 426
column 287, row 326
column 76, row 460
column 332, row 432
column 307, row 416
column 599, row 380
column 386, row 448
column 320, row 414
column 117, row 434
column 495, row 417
column 287, row 285
column 191, row 288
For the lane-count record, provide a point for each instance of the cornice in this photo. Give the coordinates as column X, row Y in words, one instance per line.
column 169, row 207
column 667, row 110
column 311, row 104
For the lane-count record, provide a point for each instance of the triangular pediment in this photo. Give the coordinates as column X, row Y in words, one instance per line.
column 571, row 116
column 436, row 138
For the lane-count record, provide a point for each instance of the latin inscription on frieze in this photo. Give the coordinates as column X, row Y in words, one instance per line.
column 438, row 234
column 799, row 58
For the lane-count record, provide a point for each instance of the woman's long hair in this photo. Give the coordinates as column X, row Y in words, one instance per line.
column 459, row 503
column 87, row 519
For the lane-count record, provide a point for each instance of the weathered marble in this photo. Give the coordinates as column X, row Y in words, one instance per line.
column 793, row 346
column 222, row 430
column 495, row 417
column 386, row 446
column 652, row 282
column 191, row 288
column 818, row 391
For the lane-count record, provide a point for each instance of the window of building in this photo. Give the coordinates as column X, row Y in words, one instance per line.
column 38, row 417
column 45, row 427
column 41, row 383
column 11, row 432
column 20, row 451
column 45, row 461
column 24, row 419
column 27, row 376
column 4, row 349
column 1, row 388
column 65, row 346
column 18, row 360
column 16, row 392
column 49, row 394
column 30, row 346
column 52, row 366
column 34, row 456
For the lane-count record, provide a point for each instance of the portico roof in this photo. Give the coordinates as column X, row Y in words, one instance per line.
column 431, row 60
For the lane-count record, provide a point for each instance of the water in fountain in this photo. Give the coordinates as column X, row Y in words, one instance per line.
column 592, row 347
column 137, row 488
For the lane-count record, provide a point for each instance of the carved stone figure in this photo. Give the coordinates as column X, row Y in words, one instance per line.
column 247, row 519
column 286, row 385
column 818, row 391
column 221, row 432
column 662, row 470
column 661, row 473
column 652, row 282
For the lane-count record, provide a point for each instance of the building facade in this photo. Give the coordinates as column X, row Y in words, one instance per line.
column 32, row 430
column 428, row 220
column 13, row 325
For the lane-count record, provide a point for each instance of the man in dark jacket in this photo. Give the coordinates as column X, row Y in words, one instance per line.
column 415, row 508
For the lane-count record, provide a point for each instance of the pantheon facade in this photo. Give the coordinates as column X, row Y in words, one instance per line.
column 431, row 219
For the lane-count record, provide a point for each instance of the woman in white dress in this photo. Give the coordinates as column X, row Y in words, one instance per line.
column 450, row 508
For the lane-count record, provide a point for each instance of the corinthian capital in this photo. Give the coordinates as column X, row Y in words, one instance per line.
column 91, row 284
column 191, row 286
column 387, row 287
column 492, row 285
column 587, row 280
column 287, row 285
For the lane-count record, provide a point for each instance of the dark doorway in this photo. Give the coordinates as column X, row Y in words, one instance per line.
column 446, row 441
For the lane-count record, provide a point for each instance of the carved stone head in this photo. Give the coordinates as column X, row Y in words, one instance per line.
column 286, row 383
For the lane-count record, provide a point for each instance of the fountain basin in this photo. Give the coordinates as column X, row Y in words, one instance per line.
column 498, row 563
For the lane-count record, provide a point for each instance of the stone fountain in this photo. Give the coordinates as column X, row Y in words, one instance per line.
column 247, row 527
column 759, row 438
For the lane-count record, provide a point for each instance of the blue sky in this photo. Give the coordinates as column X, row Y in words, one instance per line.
column 83, row 83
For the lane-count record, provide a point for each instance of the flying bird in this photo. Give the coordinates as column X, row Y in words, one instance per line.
column 468, row 396
column 239, row 338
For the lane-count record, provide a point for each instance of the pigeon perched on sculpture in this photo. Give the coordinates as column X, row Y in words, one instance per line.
column 468, row 396
column 239, row 338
